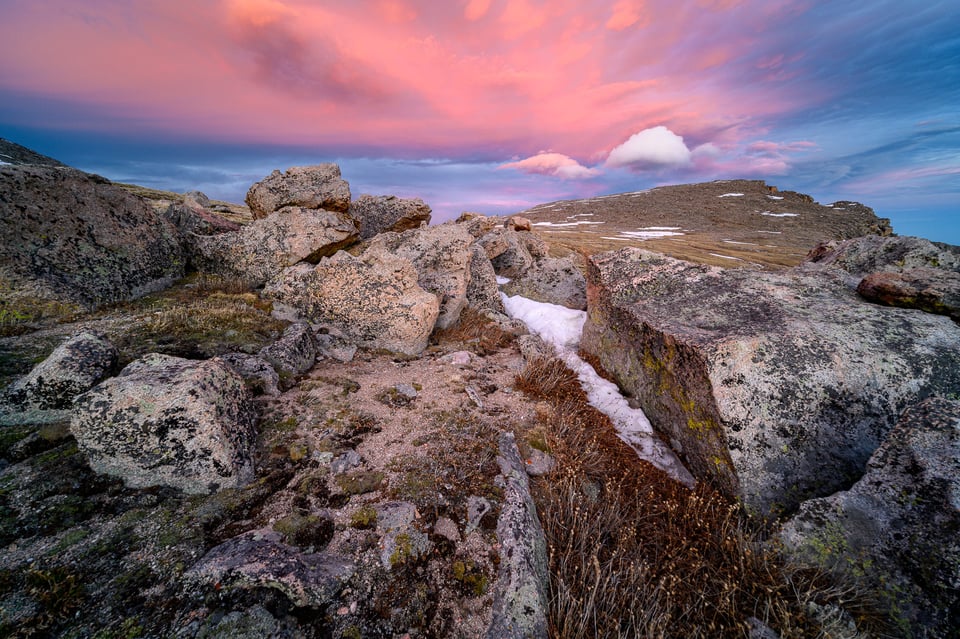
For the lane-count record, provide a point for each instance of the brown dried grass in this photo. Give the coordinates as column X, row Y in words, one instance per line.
column 474, row 332
column 635, row 554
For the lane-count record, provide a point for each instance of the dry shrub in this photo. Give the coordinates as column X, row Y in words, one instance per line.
column 635, row 554
column 474, row 332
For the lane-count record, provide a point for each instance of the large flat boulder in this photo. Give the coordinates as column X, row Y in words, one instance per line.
column 261, row 250
column 76, row 238
column 312, row 187
column 374, row 300
column 441, row 255
column 774, row 387
column 376, row 214
column 897, row 527
column 169, row 421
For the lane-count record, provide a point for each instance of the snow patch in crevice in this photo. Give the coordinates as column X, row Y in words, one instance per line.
column 501, row 280
column 769, row 214
column 561, row 327
column 731, row 195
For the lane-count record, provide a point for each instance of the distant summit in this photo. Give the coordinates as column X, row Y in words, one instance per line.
column 726, row 223
column 13, row 153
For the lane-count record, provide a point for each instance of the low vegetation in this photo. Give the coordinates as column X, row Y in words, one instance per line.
column 635, row 554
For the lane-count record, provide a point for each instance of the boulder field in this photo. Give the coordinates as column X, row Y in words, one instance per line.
column 824, row 395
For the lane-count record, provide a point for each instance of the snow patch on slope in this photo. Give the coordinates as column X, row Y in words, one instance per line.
column 561, row 327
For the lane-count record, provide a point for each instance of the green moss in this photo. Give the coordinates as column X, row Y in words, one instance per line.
column 403, row 550
column 538, row 439
column 71, row 538
column 470, row 577
column 57, row 454
column 364, row 518
column 305, row 530
column 351, row 632
column 360, row 482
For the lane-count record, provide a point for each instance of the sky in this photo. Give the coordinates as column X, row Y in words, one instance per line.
column 498, row 105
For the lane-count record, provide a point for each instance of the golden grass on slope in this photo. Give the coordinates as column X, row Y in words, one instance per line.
column 635, row 554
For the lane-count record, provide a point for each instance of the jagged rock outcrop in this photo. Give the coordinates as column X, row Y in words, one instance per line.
column 169, row 421
column 72, row 368
column 441, row 255
column 483, row 292
column 898, row 525
column 76, row 238
column 512, row 253
column 293, row 354
column 261, row 250
column 555, row 280
column 373, row 300
column 310, row 187
column 259, row 559
column 376, row 214
column 476, row 224
column 908, row 272
column 773, row 387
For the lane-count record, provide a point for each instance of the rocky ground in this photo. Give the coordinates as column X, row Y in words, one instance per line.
column 384, row 468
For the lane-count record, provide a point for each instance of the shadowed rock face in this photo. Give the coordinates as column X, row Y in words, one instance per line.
column 898, row 524
column 73, row 237
column 262, row 249
column 774, row 387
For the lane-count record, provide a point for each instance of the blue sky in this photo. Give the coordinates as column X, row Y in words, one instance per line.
column 497, row 105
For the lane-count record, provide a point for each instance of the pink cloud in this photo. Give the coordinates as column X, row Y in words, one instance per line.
column 627, row 13
column 555, row 164
column 502, row 77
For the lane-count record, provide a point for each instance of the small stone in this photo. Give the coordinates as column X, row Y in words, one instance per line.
column 458, row 358
column 446, row 528
column 477, row 507
column 539, row 463
column 346, row 461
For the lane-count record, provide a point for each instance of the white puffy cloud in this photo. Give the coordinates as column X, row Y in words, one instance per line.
column 657, row 147
column 555, row 164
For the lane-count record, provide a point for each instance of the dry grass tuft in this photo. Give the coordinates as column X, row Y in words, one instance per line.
column 635, row 554
column 474, row 332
